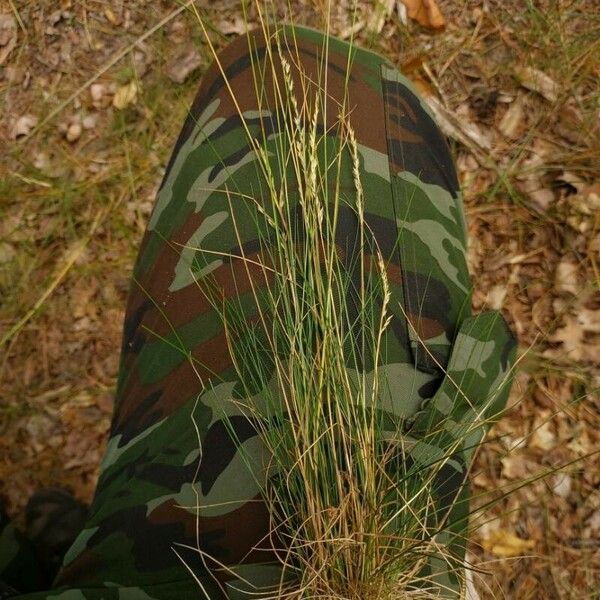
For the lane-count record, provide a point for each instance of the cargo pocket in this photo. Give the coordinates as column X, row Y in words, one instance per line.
column 431, row 230
column 473, row 392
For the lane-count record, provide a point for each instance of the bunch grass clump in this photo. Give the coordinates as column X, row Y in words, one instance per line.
column 351, row 516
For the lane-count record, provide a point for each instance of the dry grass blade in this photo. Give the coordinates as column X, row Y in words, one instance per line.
column 69, row 259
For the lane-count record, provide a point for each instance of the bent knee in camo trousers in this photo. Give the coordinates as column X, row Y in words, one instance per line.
column 172, row 480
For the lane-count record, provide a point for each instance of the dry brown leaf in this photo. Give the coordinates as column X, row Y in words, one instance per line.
column 39, row 427
column 496, row 296
column 594, row 522
column 533, row 188
column 235, row 25
column 537, row 81
column 570, row 125
column 571, row 338
column 73, row 132
column 460, row 128
column 578, row 337
column 8, row 36
column 561, row 485
column 510, row 124
column 543, row 438
column 23, row 126
column 7, row 252
column 425, row 13
column 589, row 319
column 515, row 466
column 572, row 179
column 351, row 30
column 97, row 91
column 111, row 17
column 125, row 95
column 142, row 59
column 184, row 64
column 402, row 13
column 591, row 196
column 565, row 278
column 530, row 180
column 89, row 121
column 505, row 544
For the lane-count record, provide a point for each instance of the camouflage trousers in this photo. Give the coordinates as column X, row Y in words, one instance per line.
column 177, row 513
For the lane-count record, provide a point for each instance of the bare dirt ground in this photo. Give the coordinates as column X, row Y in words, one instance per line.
column 93, row 96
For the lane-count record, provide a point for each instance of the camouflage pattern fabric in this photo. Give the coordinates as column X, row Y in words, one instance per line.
column 175, row 500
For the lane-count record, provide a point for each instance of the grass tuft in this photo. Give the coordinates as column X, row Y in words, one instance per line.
column 352, row 515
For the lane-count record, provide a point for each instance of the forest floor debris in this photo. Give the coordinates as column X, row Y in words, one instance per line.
column 515, row 85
